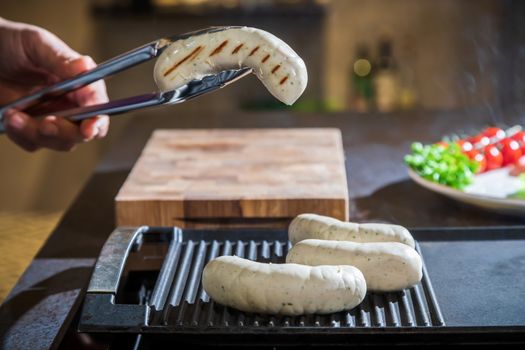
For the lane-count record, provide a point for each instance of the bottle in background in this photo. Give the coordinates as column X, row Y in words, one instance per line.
column 408, row 97
column 386, row 79
column 362, row 94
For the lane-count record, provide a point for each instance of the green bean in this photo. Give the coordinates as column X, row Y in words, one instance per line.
column 445, row 165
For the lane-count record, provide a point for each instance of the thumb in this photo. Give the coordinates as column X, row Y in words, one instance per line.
column 70, row 68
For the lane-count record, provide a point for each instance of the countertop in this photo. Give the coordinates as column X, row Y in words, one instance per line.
column 43, row 303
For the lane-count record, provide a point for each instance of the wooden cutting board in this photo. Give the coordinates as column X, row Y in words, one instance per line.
column 248, row 177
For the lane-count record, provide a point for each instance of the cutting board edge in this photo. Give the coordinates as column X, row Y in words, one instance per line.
column 130, row 212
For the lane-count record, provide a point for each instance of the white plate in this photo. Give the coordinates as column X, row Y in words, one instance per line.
column 488, row 190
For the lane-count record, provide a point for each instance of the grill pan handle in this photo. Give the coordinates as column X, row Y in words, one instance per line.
column 110, row 263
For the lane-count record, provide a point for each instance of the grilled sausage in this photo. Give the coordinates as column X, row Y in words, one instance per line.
column 278, row 67
column 287, row 289
column 390, row 266
column 314, row 226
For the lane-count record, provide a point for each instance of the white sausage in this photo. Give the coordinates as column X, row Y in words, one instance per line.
column 278, row 67
column 287, row 289
column 306, row 226
column 389, row 266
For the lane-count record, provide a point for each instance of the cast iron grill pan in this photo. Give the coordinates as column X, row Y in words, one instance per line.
column 178, row 304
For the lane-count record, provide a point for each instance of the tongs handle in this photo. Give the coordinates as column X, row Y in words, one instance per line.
column 110, row 67
column 114, row 107
column 184, row 93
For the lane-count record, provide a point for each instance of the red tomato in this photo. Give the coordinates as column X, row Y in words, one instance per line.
column 479, row 141
column 519, row 167
column 481, row 160
column 465, row 146
column 520, row 137
column 493, row 157
column 472, row 154
column 496, row 133
column 510, row 149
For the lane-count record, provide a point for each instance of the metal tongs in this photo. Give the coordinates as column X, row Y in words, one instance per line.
column 122, row 62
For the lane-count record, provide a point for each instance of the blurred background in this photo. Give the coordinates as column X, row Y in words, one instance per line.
column 395, row 57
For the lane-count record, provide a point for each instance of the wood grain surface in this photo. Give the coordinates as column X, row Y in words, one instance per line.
column 230, row 177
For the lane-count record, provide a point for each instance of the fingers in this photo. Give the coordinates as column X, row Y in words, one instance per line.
column 86, row 96
column 20, row 131
column 94, row 93
column 95, row 127
column 76, row 66
column 51, row 132
column 48, row 52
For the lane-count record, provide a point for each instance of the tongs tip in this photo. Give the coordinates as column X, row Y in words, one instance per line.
column 206, row 84
column 233, row 75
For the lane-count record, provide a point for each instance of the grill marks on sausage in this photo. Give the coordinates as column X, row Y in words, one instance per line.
column 237, row 48
column 219, row 48
column 192, row 55
column 274, row 69
column 253, row 51
column 265, row 58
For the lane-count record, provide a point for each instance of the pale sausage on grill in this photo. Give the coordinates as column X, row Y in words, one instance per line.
column 387, row 266
column 278, row 67
column 287, row 289
column 312, row 226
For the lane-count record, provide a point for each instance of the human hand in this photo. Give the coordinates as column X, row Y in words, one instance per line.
column 31, row 58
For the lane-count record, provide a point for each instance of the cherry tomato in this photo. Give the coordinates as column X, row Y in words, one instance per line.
column 510, row 149
column 496, row 133
column 481, row 160
column 493, row 157
column 465, row 146
column 478, row 157
column 479, row 141
column 519, row 167
column 472, row 154
column 521, row 162
column 520, row 137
